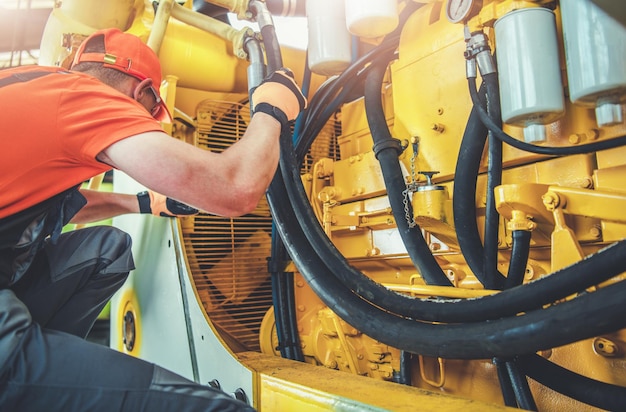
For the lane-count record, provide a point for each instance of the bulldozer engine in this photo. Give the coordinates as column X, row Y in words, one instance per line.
column 446, row 227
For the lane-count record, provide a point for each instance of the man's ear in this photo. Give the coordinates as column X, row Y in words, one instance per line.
column 140, row 90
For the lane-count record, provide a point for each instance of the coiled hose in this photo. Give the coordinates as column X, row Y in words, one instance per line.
column 507, row 303
column 536, row 330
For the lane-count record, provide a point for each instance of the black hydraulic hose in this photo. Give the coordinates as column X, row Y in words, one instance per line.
column 404, row 374
column 543, row 150
column 317, row 118
column 387, row 149
column 364, row 315
column 268, row 32
column 509, row 375
column 306, row 85
column 284, row 302
column 278, row 315
column 519, row 258
column 492, row 277
column 292, row 321
column 590, row 271
column 590, row 391
column 600, row 312
column 334, row 94
column 272, row 48
column 464, row 197
column 506, row 387
column 282, row 282
column 542, row 370
column 520, row 386
column 578, row 387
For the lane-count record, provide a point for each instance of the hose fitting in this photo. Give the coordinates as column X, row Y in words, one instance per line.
column 478, row 49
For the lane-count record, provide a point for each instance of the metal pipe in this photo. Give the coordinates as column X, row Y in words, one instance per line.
column 256, row 69
column 213, row 26
column 161, row 18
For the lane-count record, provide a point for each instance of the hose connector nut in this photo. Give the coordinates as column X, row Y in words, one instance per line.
column 478, row 49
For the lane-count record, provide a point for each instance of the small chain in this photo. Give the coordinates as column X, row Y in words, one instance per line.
column 411, row 187
column 409, row 220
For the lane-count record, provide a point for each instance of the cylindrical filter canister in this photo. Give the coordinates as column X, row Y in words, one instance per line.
column 330, row 43
column 531, row 89
column 595, row 52
column 371, row 18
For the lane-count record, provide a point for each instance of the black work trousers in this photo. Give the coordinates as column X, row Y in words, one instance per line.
column 46, row 365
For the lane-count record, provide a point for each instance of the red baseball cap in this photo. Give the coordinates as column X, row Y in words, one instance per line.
column 127, row 53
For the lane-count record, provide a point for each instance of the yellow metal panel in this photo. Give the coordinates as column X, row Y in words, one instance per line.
column 284, row 385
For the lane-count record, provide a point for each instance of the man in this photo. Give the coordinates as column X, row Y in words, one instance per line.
column 61, row 128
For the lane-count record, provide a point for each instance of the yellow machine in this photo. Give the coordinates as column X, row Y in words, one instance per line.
column 445, row 231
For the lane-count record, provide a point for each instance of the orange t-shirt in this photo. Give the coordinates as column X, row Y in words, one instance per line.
column 53, row 127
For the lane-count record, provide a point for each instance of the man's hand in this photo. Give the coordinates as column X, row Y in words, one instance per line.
column 279, row 96
column 159, row 205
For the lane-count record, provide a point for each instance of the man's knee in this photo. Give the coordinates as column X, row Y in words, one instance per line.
column 106, row 247
column 115, row 250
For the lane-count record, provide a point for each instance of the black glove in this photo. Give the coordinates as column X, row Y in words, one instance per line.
column 279, row 96
column 159, row 205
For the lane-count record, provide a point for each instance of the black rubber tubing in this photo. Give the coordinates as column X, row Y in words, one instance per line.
column 590, row 391
column 387, row 156
column 534, row 295
column 464, row 196
column 600, row 312
column 282, row 282
column 464, row 193
column 590, row 271
column 335, row 93
column 272, row 48
column 544, row 150
column 509, row 375
column 492, row 278
column 520, row 386
column 519, row 258
column 283, row 301
column 506, row 386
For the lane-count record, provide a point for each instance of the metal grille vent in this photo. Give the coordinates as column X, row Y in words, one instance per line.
column 228, row 256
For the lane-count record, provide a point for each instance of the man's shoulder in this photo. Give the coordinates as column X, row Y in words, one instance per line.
column 40, row 77
column 26, row 73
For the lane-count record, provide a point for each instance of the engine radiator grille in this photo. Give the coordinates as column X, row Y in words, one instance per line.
column 228, row 256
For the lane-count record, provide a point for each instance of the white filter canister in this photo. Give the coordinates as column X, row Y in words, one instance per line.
column 595, row 51
column 531, row 91
column 371, row 18
column 330, row 43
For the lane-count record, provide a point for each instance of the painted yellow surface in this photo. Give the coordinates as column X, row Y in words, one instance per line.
column 285, row 385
